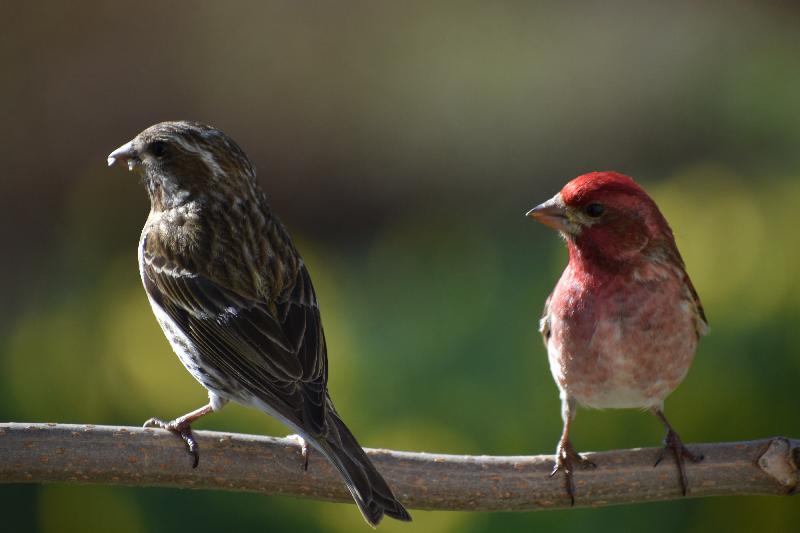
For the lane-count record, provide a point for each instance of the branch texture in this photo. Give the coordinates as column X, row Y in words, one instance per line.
column 111, row 455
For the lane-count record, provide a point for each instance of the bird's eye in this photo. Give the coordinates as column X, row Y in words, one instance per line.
column 158, row 148
column 594, row 210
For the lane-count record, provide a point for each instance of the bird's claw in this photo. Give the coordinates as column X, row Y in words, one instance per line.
column 672, row 442
column 303, row 449
column 184, row 430
column 566, row 458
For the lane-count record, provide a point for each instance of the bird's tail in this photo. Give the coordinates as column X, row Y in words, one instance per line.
column 370, row 491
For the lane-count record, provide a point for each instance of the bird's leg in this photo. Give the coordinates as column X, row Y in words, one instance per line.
column 673, row 442
column 182, row 426
column 566, row 456
column 303, row 449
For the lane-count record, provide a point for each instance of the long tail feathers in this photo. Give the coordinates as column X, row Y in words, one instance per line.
column 370, row 491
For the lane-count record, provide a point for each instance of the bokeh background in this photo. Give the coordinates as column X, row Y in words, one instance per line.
column 401, row 143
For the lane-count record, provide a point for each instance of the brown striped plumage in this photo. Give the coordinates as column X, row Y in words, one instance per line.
column 234, row 298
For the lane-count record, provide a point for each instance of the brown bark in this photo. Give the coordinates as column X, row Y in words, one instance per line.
column 63, row 453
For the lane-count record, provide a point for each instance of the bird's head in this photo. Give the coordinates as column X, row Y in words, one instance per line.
column 184, row 161
column 606, row 216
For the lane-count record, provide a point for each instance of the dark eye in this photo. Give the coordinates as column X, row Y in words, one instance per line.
column 158, row 148
column 594, row 210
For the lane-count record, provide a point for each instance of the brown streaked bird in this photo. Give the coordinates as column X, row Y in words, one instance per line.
column 235, row 300
column 623, row 322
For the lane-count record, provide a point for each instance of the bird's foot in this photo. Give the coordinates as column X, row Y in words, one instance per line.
column 303, row 449
column 183, row 429
column 672, row 442
column 566, row 459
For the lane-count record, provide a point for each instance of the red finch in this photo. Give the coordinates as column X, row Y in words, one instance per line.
column 235, row 300
column 623, row 322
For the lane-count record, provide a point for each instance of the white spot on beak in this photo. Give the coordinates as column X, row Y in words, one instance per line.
column 125, row 153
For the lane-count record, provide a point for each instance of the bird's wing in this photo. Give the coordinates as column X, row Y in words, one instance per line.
column 544, row 322
column 701, row 323
column 276, row 353
column 674, row 258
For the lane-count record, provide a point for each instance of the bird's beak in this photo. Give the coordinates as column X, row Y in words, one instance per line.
column 126, row 153
column 552, row 213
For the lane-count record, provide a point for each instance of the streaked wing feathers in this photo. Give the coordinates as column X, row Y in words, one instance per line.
column 278, row 357
column 701, row 323
column 544, row 322
column 674, row 257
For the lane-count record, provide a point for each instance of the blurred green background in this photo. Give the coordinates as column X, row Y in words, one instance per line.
column 401, row 144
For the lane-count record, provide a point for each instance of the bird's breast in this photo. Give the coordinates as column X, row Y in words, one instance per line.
column 183, row 346
column 620, row 341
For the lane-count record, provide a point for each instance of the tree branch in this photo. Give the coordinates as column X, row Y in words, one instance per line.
column 64, row 453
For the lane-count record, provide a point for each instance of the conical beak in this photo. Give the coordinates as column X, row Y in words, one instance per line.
column 551, row 213
column 125, row 153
